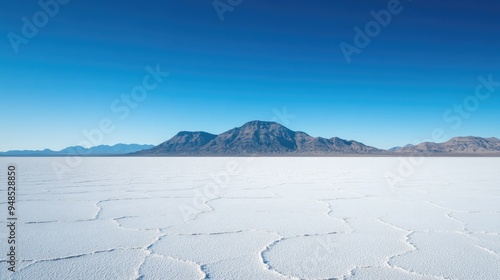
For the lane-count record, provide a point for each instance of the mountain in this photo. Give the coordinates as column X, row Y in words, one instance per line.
column 102, row 150
column 457, row 145
column 256, row 138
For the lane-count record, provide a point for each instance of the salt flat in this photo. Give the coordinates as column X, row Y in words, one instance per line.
column 255, row 218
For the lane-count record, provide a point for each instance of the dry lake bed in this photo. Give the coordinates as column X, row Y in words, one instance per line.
column 253, row 218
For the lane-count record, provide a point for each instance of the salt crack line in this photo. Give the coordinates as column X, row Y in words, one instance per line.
column 99, row 209
column 464, row 225
column 352, row 273
column 195, row 216
column 265, row 263
column 114, row 221
column 330, row 211
column 444, row 207
column 406, row 240
column 74, row 256
column 212, row 233
column 328, row 206
column 147, row 249
column 487, row 250
column 149, row 252
column 407, row 237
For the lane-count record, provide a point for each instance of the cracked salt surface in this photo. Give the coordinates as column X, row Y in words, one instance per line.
column 278, row 218
column 102, row 265
column 161, row 267
column 479, row 222
column 63, row 239
column 410, row 215
column 488, row 241
column 335, row 255
column 276, row 215
column 239, row 251
column 451, row 255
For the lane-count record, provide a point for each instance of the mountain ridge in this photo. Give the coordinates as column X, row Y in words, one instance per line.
column 100, row 150
column 255, row 138
column 263, row 138
column 461, row 144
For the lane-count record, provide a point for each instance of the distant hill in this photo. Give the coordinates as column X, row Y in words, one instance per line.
column 256, row 138
column 102, row 150
column 460, row 145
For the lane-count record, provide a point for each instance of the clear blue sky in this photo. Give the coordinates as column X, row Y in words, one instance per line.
column 264, row 56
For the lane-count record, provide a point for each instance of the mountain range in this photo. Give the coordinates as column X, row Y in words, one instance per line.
column 464, row 145
column 262, row 138
column 272, row 139
column 101, row 150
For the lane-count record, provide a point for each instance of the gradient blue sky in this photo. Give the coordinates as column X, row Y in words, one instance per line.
column 264, row 56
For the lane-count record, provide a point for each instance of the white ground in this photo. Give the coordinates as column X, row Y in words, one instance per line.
column 255, row 218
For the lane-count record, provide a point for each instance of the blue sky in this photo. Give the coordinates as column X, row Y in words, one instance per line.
column 263, row 57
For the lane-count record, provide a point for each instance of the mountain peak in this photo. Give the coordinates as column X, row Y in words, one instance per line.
column 261, row 124
column 191, row 133
column 465, row 138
